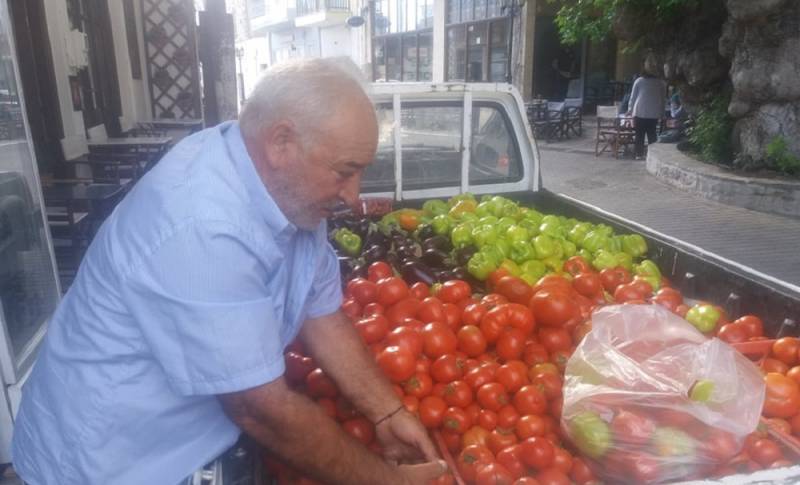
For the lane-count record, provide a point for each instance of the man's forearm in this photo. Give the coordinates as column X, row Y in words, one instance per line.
column 338, row 350
column 298, row 431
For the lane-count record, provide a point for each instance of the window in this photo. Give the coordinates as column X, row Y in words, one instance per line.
column 494, row 155
column 477, row 50
column 379, row 176
column 402, row 40
column 430, row 137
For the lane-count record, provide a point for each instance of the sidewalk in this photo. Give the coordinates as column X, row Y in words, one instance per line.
column 767, row 243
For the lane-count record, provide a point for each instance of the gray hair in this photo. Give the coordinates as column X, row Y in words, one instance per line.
column 306, row 92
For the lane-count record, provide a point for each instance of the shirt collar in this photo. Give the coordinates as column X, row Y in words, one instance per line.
column 259, row 194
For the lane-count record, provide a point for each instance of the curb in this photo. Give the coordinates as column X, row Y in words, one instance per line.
column 670, row 165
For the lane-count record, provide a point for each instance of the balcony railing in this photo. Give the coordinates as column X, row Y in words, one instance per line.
column 306, row 7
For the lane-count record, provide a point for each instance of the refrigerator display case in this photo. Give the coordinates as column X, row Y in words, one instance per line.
column 29, row 288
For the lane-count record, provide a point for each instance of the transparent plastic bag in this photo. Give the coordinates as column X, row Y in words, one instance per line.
column 649, row 399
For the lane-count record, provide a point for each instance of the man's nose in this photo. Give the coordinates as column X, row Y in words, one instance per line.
column 350, row 191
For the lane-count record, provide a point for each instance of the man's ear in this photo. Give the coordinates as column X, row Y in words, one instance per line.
column 281, row 144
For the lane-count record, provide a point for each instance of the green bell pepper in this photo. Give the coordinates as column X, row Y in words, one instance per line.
column 534, row 269
column 585, row 254
column 488, row 221
column 532, row 215
column 510, row 266
column 569, row 248
column 521, row 251
column 578, row 232
column 484, row 235
column 435, row 207
column 441, row 224
column 590, row 434
column 648, row 271
column 481, row 266
column 495, row 252
column 554, row 264
column 462, row 207
column 635, row 245
column 552, row 229
column 595, row 241
column 624, row 260
column 466, row 196
column 615, row 244
column 484, row 209
column 604, row 259
column 504, row 223
column 604, row 229
column 461, row 235
column 517, row 233
column 544, row 246
column 348, row 242
column 703, row 317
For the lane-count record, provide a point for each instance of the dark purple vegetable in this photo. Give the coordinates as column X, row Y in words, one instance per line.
column 414, row 272
column 434, row 257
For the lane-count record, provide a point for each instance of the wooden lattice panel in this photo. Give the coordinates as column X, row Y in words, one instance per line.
column 171, row 50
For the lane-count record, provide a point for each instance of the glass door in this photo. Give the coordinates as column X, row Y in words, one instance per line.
column 29, row 290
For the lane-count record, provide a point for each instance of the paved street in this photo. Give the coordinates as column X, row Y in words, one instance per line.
column 762, row 241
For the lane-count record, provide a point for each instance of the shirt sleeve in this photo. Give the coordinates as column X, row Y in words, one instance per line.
column 201, row 301
column 326, row 290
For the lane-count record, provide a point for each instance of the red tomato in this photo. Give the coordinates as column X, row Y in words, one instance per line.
column 514, row 289
column 507, row 417
column 495, row 277
column 527, row 481
column 780, row 425
column 456, row 420
column 361, row 429
column 553, row 282
column 785, row 349
column 588, row 284
column 431, row 411
column 328, row 406
column 530, row 400
column 411, row 403
column 520, row 317
column 611, row 278
column 446, row 479
column 550, row 384
column 478, row 377
column 629, row 428
column 446, row 369
column 577, row 265
column 454, row 291
column 510, row 344
column 530, row 425
column 397, row 363
column 537, row 452
column 373, row 309
column 733, row 333
column 391, row 290
column 511, row 377
column 378, row 271
column 438, row 340
column 493, row 474
column 555, row 339
column 351, row 309
column 500, row 439
column 534, row 353
column 487, row 419
column 765, row 452
column 420, row 290
column 320, row 385
column 344, row 409
column 431, row 310
column 458, row 393
column 406, row 338
column 581, row 474
column 471, row 340
column 669, row 298
column 493, row 323
column 475, row 436
column 783, row 396
column 562, row 460
column 631, row 292
column 419, row 385
column 362, row 290
column 407, row 308
column 552, row 307
column 774, row 365
column 452, row 316
column 753, row 324
column 372, row 329
column 794, row 373
column 471, row 458
column 297, row 367
column 493, row 299
column 473, row 313
column 492, row 396
column 509, row 458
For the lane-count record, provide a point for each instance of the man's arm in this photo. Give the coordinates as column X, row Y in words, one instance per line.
column 337, row 348
column 298, row 431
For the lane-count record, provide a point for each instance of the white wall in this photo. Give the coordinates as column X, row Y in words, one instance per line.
column 336, row 42
column 66, row 46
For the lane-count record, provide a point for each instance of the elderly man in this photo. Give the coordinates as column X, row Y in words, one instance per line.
column 170, row 341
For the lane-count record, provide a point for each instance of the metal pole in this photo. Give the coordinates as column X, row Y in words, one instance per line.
column 511, row 11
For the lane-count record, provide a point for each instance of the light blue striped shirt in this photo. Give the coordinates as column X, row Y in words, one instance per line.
column 191, row 288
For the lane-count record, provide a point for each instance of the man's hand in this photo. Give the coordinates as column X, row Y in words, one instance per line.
column 405, row 439
column 423, row 473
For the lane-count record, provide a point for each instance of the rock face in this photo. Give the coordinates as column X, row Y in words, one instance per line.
column 762, row 38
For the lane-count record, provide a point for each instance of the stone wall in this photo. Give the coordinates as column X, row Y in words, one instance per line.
column 762, row 39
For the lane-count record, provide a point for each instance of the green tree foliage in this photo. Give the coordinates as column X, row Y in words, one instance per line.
column 594, row 19
column 710, row 133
